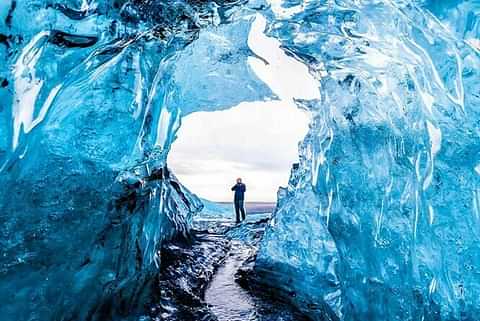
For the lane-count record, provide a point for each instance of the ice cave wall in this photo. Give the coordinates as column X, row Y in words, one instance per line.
column 379, row 222
column 92, row 93
column 381, row 219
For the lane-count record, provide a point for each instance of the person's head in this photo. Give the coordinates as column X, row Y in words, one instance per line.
column 239, row 180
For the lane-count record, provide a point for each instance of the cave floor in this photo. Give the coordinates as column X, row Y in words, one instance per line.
column 200, row 280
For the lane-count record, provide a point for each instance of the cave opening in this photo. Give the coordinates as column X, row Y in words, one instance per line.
column 254, row 140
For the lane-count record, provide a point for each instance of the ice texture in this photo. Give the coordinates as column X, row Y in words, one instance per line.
column 381, row 219
column 215, row 210
column 91, row 96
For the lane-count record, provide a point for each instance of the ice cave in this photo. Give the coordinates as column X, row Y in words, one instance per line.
column 380, row 218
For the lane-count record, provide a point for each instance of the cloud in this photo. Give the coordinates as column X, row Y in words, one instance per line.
column 250, row 140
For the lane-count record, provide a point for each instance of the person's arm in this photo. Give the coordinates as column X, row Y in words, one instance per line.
column 244, row 187
column 234, row 187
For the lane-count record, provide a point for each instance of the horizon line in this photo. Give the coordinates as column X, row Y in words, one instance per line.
column 266, row 202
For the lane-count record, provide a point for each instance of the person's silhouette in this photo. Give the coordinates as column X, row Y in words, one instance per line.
column 238, row 199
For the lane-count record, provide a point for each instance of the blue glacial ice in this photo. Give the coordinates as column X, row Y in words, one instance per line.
column 380, row 220
column 92, row 94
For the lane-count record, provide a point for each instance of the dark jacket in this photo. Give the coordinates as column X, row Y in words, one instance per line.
column 239, row 189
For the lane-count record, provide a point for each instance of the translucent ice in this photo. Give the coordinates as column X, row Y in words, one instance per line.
column 381, row 219
column 91, row 94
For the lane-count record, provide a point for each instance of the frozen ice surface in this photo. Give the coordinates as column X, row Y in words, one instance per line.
column 380, row 220
column 214, row 210
column 92, row 93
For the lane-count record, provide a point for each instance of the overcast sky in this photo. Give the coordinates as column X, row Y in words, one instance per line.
column 256, row 141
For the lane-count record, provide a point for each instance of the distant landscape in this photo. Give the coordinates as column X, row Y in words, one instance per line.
column 255, row 207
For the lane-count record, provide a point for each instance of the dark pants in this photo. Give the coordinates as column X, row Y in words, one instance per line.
column 239, row 209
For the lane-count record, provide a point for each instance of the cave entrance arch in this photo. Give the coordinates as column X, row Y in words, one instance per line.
column 258, row 140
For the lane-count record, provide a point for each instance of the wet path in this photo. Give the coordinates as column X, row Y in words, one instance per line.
column 225, row 298
column 198, row 278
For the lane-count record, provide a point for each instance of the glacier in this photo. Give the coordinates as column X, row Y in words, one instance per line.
column 380, row 220
column 92, row 95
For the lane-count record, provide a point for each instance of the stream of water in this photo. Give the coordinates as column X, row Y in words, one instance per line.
column 225, row 298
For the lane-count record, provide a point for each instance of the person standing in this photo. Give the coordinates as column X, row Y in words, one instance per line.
column 238, row 199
